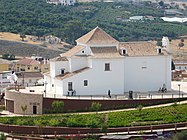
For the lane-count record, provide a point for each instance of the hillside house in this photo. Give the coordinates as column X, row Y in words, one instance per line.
column 99, row 64
column 172, row 12
column 29, row 78
column 62, row 2
column 5, row 65
column 4, row 81
column 31, row 65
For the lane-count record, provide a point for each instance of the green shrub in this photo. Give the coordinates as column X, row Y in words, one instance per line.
column 95, row 106
column 181, row 135
column 58, row 106
column 2, row 136
column 2, row 107
column 21, row 121
column 139, row 108
column 54, row 122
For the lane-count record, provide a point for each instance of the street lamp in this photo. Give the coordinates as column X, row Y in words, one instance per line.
column 45, row 84
column 23, row 80
column 179, row 90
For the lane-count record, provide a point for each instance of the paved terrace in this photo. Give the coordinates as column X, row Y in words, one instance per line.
column 177, row 91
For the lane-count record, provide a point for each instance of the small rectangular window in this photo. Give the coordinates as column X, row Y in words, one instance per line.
column 30, row 81
column 70, row 86
column 85, row 83
column 34, row 109
column 159, row 50
column 124, row 51
column 4, row 76
column 35, row 68
column 62, row 71
column 107, row 66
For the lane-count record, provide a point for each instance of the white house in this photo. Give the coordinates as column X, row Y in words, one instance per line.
column 62, row 2
column 100, row 64
column 4, row 81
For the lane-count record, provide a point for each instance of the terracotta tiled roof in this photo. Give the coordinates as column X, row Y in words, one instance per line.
column 27, row 61
column 105, row 52
column 96, row 36
column 141, row 48
column 69, row 74
column 4, row 61
column 59, row 58
column 72, row 51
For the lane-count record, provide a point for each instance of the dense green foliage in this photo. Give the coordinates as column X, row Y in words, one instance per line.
column 36, row 17
column 58, row 106
column 95, row 106
column 2, row 136
column 8, row 56
column 171, row 114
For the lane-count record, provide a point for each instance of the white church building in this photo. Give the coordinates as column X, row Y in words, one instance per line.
column 99, row 64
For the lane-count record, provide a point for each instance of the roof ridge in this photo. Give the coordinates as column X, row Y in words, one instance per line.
column 94, row 31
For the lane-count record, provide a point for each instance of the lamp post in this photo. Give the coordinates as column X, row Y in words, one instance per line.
column 23, row 80
column 179, row 90
column 45, row 84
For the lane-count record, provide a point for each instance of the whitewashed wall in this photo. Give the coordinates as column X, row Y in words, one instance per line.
column 147, row 73
column 78, row 63
column 55, row 67
column 59, row 87
column 48, row 85
column 4, row 81
column 99, row 80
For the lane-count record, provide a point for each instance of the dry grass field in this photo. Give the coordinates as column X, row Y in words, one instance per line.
column 179, row 53
column 16, row 37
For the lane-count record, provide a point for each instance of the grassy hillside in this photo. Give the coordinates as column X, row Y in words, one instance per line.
column 36, row 17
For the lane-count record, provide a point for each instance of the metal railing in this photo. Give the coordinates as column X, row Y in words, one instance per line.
column 135, row 96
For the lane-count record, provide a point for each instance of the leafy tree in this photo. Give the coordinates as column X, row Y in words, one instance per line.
column 58, row 106
column 181, row 44
column 5, row 56
column 8, row 56
column 2, row 136
column 71, row 22
column 12, row 57
column 72, row 31
column 161, row 3
column 22, row 36
column 181, row 135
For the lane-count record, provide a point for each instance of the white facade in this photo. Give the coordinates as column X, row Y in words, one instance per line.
column 4, row 81
column 180, row 65
column 97, row 65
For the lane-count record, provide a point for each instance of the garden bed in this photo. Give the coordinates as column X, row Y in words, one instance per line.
column 154, row 116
